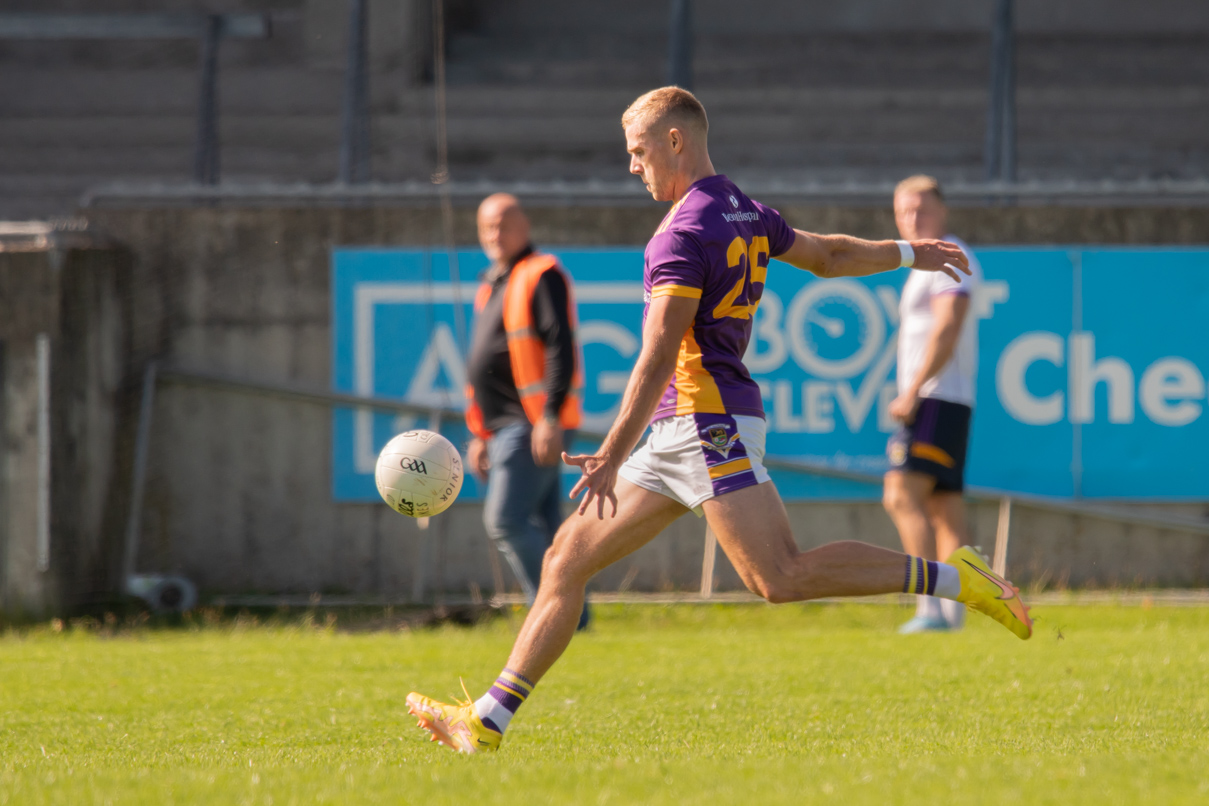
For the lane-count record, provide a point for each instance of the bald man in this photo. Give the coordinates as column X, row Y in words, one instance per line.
column 523, row 389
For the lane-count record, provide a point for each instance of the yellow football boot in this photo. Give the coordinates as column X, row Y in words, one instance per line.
column 458, row 727
column 988, row 593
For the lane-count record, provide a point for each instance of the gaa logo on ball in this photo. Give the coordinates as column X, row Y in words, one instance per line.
column 419, row 473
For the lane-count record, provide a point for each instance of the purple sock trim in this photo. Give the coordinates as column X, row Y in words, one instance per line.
column 907, row 575
column 505, row 698
column 515, row 689
column 521, row 677
column 489, row 725
column 933, row 567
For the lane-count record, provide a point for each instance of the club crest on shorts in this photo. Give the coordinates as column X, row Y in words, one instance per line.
column 717, row 438
column 898, row 453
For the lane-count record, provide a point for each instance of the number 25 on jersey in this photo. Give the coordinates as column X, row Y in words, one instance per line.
column 741, row 301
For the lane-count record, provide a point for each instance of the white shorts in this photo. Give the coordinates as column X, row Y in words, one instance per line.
column 692, row 458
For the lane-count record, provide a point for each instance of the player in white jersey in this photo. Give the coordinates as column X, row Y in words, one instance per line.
column 937, row 373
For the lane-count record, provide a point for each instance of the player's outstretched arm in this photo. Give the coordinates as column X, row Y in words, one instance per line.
column 845, row 256
column 668, row 319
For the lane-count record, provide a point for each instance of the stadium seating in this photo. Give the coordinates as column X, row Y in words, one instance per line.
column 536, row 87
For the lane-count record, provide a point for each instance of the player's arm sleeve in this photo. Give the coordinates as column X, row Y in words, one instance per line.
column 780, row 234
column 552, row 317
column 677, row 266
column 944, row 284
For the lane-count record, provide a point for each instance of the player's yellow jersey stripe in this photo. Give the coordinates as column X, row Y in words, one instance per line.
column 673, row 290
column 696, row 391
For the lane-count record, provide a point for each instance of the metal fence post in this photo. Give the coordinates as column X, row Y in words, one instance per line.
column 138, row 471
column 354, row 135
column 1001, row 111
column 205, row 159
column 680, row 45
column 44, row 436
column 708, row 563
column 1003, row 531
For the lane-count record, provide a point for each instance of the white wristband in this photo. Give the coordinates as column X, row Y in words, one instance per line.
column 906, row 254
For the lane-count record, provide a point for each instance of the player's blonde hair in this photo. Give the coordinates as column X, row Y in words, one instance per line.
column 920, row 183
column 668, row 103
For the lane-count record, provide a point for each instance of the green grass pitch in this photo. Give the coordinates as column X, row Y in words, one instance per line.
column 717, row 704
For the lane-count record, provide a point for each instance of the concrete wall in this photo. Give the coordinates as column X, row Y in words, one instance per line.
column 73, row 293
column 238, row 496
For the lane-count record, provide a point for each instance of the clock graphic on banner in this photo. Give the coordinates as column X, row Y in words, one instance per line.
column 835, row 328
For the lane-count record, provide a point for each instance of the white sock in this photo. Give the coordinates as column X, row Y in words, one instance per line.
column 954, row 613
column 928, row 607
column 489, row 708
column 948, row 581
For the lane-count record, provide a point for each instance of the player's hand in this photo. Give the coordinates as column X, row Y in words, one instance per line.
column 933, row 255
column 903, row 407
column 599, row 478
column 546, row 442
column 476, row 458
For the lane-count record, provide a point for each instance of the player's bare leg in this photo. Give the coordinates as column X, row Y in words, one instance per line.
column 947, row 515
column 753, row 529
column 584, row 545
column 931, row 524
column 905, row 496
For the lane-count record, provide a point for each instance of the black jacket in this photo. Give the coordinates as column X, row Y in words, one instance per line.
column 489, row 368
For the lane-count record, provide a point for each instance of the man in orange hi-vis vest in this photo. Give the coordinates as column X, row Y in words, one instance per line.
column 524, row 385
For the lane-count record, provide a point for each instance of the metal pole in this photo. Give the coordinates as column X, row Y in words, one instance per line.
column 434, row 425
column 680, row 45
column 354, row 137
column 1007, row 158
column 205, row 155
column 441, row 177
column 43, row 524
column 708, row 563
column 997, row 101
column 1002, row 532
column 138, row 473
column 1075, row 374
column 325, row 397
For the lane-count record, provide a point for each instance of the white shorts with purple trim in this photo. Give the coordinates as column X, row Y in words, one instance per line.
column 692, row 458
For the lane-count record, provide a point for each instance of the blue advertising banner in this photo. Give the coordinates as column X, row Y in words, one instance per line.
column 1091, row 384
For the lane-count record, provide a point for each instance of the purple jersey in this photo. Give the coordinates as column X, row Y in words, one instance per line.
column 714, row 245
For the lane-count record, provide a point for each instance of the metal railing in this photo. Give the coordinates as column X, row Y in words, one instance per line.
column 208, row 29
column 156, row 374
column 632, row 192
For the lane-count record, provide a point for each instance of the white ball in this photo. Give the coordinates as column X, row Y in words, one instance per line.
column 419, row 473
